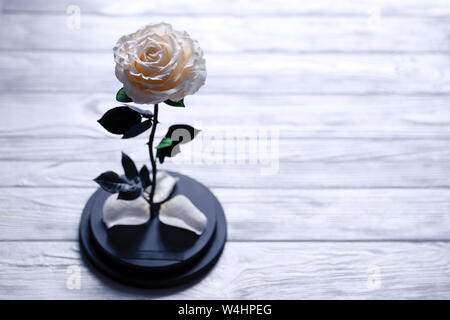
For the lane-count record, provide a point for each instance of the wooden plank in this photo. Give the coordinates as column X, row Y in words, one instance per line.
column 387, row 270
column 256, row 214
column 223, row 148
column 316, row 163
column 414, row 117
column 349, row 8
column 332, row 117
column 228, row 33
column 357, row 90
column 290, row 175
column 251, row 74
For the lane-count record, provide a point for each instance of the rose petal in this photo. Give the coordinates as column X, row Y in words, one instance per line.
column 157, row 63
column 124, row 212
column 164, row 186
column 182, row 213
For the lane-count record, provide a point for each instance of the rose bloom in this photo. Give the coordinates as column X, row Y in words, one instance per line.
column 157, row 63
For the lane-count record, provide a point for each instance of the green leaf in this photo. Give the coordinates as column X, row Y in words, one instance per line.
column 182, row 133
column 179, row 103
column 165, row 142
column 132, row 193
column 122, row 96
column 170, row 151
column 143, row 112
column 137, row 129
column 144, row 175
column 130, row 168
column 112, row 182
column 120, row 120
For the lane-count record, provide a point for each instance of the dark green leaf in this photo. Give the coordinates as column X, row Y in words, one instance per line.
column 169, row 151
column 137, row 129
column 120, row 120
column 145, row 113
column 131, row 193
column 111, row 182
column 144, row 174
column 179, row 103
column 165, row 142
column 130, row 168
column 122, row 96
column 182, row 133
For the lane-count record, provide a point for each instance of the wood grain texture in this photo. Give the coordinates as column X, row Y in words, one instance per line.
column 341, row 34
column 256, row 214
column 314, row 163
column 246, row 73
column 289, row 175
column 296, row 116
column 212, row 148
column 355, row 95
column 243, row 8
column 247, row 271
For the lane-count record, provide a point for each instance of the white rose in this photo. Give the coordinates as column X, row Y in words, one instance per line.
column 157, row 63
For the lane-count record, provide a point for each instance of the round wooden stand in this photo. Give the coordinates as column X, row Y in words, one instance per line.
column 154, row 254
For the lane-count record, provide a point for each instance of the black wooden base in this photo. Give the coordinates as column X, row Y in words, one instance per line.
column 154, row 254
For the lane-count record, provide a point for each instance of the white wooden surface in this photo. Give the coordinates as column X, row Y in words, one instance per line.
column 358, row 92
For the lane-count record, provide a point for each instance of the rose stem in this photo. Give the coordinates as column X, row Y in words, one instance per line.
column 152, row 160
